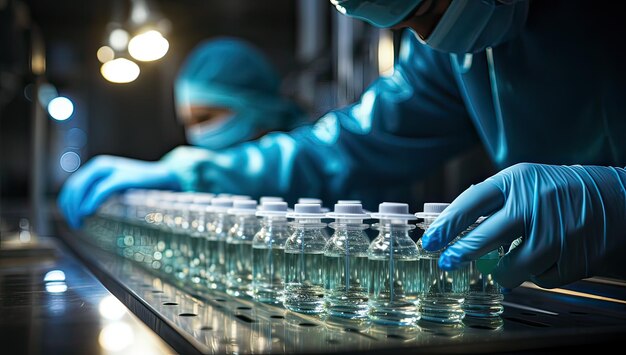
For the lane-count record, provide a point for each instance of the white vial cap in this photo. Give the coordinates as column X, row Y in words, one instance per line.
column 197, row 207
column 274, row 206
column 221, row 204
column 167, row 196
column 265, row 199
column 152, row 202
column 245, row 204
column 166, row 205
column 435, row 207
column 278, row 208
column 432, row 209
column 393, row 210
column 132, row 198
column 135, row 193
column 203, row 198
column 185, row 197
column 345, row 202
column 309, row 200
column 348, row 211
column 179, row 206
column 306, row 210
column 243, row 207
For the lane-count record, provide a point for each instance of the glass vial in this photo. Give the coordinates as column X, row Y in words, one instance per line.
column 197, row 251
column 392, row 259
column 327, row 231
column 239, row 248
column 441, row 293
column 483, row 301
column 268, row 253
column 304, row 258
column 345, row 263
column 166, row 236
column 216, row 242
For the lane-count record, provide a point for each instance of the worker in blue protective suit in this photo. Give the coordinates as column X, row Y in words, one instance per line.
column 226, row 92
column 540, row 84
column 540, row 87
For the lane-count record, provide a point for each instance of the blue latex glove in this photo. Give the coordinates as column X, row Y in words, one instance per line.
column 572, row 220
column 105, row 175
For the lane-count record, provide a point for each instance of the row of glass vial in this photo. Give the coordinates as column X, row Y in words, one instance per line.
column 333, row 276
column 390, row 280
column 190, row 229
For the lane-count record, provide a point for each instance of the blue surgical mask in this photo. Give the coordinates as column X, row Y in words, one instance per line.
column 380, row 13
column 223, row 134
column 470, row 26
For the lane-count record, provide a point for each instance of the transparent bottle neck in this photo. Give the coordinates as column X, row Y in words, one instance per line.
column 181, row 220
column 426, row 222
column 246, row 219
column 393, row 225
column 209, row 220
column 342, row 224
column 307, row 224
column 274, row 222
column 246, row 224
column 222, row 218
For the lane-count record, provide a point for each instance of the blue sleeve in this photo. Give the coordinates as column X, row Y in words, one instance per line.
column 403, row 126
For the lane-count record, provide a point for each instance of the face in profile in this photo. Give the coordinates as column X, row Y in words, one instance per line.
column 206, row 115
column 425, row 17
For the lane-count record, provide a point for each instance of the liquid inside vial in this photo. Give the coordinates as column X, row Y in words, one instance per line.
column 239, row 266
column 197, row 260
column 268, row 272
column 304, row 282
column 483, row 302
column 215, row 262
column 392, row 290
column 346, row 285
column 441, row 293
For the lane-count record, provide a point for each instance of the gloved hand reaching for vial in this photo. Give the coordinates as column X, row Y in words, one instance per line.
column 572, row 220
column 105, row 175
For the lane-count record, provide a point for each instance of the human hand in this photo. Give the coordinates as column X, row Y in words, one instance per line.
column 572, row 220
column 104, row 175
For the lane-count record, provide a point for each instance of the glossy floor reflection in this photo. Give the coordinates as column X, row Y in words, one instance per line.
column 50, row 303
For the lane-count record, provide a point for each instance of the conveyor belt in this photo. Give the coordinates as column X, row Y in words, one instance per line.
column 214, row 322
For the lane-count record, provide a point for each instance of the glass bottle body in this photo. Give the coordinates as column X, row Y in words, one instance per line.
column 197, row 250
column 346, row 271
column 216, row 251
column 392, row 259
column 268, row 260
column 441, row 293
column 239, row 256
column 304, row 267
column 483, row 300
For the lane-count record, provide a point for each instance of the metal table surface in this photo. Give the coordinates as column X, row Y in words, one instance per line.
column 50, row 303
column 586, row 315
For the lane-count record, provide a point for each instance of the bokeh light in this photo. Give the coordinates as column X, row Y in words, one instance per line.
column 105, row 53
column 70, row 162
column 60, row 108
column 118, row 39
column 148, row 46
column 120, row 70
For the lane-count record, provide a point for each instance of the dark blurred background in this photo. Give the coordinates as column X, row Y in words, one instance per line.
column 325, row 59
column 48, row 48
